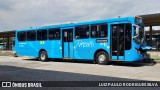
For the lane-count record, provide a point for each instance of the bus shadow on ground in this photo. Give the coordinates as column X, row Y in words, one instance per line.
column 62, row 60
column 147, row 62
column 9, row 72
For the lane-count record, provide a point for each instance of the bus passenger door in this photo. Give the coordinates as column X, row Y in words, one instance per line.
column 67, row 43
column 117, row 42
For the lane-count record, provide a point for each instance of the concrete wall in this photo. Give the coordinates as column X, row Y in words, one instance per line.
column 154, row 55
column 6, row 53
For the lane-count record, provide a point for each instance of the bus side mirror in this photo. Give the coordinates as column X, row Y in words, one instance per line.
column 137, row 30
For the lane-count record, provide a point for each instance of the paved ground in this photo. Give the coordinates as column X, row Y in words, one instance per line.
column 26, row 69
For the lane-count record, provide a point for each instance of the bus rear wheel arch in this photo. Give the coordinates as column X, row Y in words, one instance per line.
column 102, row 58
column 43, row 56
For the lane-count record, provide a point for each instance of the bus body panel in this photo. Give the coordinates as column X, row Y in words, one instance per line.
column 83, row 49
column 55, row 49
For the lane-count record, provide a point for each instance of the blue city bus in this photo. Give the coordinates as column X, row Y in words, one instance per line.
column 101, row 41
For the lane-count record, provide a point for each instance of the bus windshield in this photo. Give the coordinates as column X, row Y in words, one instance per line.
column 139, row 34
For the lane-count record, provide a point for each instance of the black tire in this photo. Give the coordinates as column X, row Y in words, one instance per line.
column 102, row 58
column 43, row 56
column 15, row 55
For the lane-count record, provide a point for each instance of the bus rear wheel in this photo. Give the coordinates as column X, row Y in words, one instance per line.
column 102, row 58
column 43, row 56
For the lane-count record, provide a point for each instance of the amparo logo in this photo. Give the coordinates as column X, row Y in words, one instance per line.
column 82, row 44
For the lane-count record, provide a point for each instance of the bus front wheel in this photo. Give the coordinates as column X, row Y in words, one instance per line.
column 43, row 56
column 102, row 58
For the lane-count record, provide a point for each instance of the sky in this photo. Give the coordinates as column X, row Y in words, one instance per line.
column 18, row 14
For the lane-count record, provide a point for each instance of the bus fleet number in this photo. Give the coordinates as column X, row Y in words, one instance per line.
column 41, row 42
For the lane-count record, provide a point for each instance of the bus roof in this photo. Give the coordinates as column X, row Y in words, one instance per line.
column 80, row 23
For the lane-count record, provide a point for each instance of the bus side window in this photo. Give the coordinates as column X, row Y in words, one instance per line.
column 114, row 32
column 31, row 35
column 65, row 38
column 41, row 34
column 82, row 32
column 21, row 36
column 99, row 30
column 54, row 34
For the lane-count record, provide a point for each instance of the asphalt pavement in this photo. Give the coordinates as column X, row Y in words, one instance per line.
column 30, row 69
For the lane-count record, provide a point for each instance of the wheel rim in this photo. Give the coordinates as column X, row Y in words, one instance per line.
column 101, row 58
column 43, row 56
